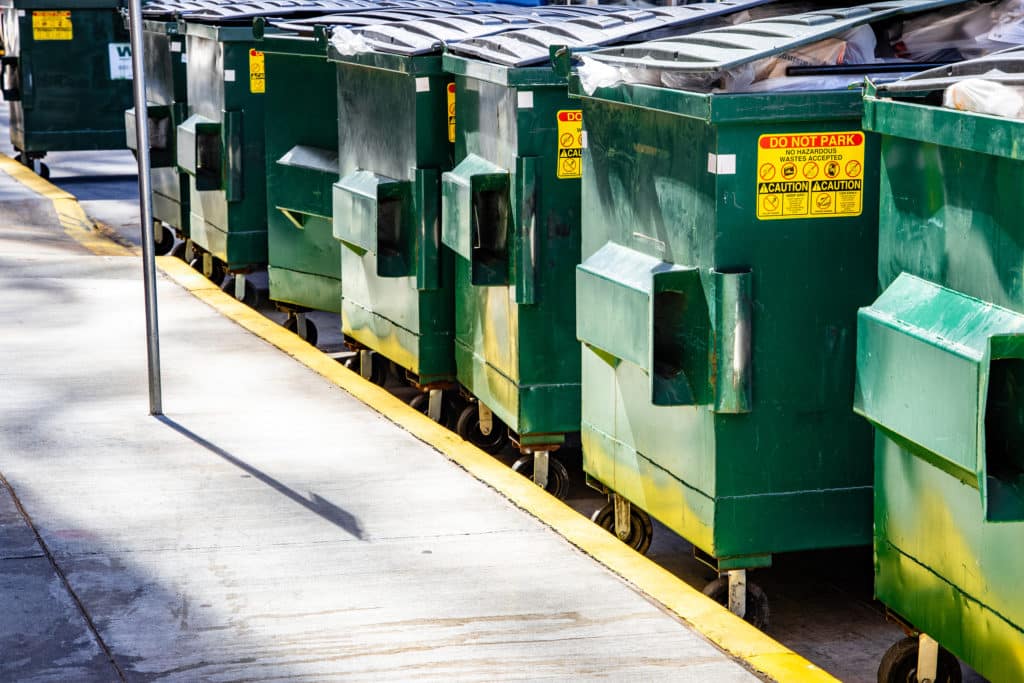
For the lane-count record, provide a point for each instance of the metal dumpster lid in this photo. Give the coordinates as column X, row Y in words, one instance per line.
column 1010, row 62
column 425, row 36
column 381, row 15
column 152, row 10
column 721, row 49
column 532, row 46
column 240, row 12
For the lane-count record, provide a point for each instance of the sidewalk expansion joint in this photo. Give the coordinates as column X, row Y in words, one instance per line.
column 63, row 578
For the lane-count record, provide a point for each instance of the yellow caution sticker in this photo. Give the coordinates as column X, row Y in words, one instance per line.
column 810, row 175
column 52, row 25
column 451, row 112
column 570, row 143
column 257, row 72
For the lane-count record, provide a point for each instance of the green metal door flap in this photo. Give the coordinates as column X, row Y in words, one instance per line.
column 943, row 373
column 161, row 134
column 658, row 316
column 532, row 45
column 476, row 218
column 200, row 152
column 719, row 50
column 310, row 172
column 373, row 213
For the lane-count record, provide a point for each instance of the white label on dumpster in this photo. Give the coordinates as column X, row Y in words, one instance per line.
column 422, row 84
column 175, row 47
column 120, row 61
column 722, row 164
column 229, row 75
column 810, row 175
column 524, row 99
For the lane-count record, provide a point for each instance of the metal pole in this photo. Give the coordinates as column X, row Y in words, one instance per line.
column 145, row 207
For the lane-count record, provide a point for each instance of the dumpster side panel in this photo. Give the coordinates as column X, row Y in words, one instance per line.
column 230, row 221
column 516, row 347
column 74, row 82
column 166, row 85
column 395, row 126
column 939, row 565
column 301, row 106
column 950, row 212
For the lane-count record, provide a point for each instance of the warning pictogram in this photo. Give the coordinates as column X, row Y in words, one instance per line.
column 820, row 175
column 451, row 112
column 570, row 144
column 767, row 172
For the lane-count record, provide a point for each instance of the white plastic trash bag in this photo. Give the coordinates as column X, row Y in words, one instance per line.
column 984, row 97
column 594, row 74
column 347, row 42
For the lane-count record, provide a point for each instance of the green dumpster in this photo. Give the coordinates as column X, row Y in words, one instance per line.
column 67, row 74
column 166, row 104
column 220, row 143
column 511, row 215
column 728, row 240
column 940, row 375
column 393, row 146
column 304, row 259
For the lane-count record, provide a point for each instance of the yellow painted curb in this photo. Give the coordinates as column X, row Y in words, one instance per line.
column 717, row 624
column 72, row 217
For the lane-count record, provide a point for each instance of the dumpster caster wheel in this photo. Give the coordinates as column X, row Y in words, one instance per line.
column 250, row 296
column 378, row 366
column 216, row 272
column 179, row 251
column 641, row 529
column 558, row 476
column 468, row 427
column 44, row 171
column 757, row 613
column 449, row 411
column 309, row 332
column 899, row 664
column 163, row 239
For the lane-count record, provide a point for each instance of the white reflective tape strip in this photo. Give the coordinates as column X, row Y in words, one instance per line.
column 722, row 164
column 21, row 13
column 583, row 139
column 184, row 58
column 525, row 99
column 423, row 84
column 175, row 47
column 229, row 75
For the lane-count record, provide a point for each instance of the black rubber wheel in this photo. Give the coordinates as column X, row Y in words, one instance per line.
column 165, row 244
column 558, row 476
column 758, row 613
column 44, row 171
column 641, row 529
column 468, row 427
column 217, row 270
column 251, row 296
column 291, row 324
column 449, row 408
column 179, row 251
column 378, row 367
column 899, row 664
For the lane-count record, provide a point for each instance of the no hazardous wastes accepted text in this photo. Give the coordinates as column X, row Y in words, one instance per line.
column 810, row 175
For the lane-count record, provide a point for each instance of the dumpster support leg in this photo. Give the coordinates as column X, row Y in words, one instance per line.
column 738, row 592
column 540, row 468
column 207, row 264
column 622, row 515
column 927, row 659
column 486, row 418
column 434, row 404
column 300, row 322
column 190, row 251
column 240, row 287
column 365, row 363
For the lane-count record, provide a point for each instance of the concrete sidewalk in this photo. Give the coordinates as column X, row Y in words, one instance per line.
column 269, row 527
